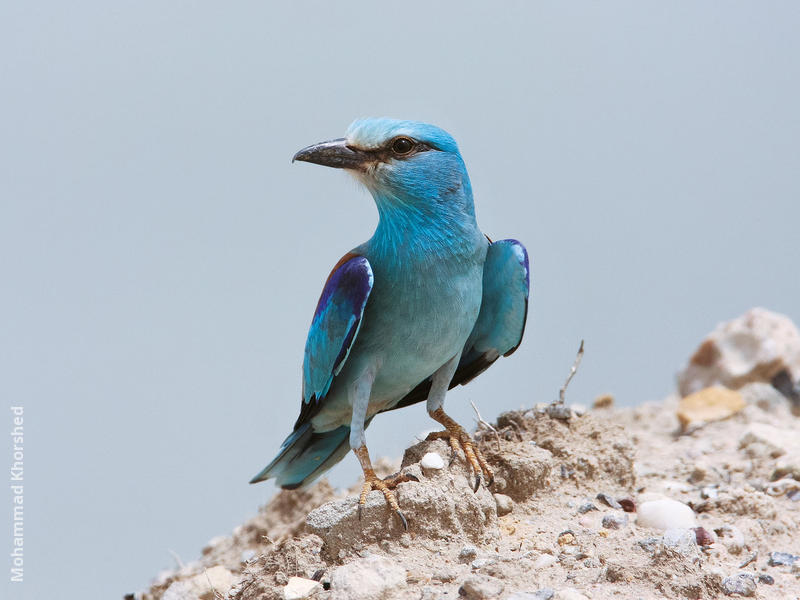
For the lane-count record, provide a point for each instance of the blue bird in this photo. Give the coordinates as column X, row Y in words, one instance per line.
column 428, row 303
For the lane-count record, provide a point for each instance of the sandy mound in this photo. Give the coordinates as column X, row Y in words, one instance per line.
column 578, row 510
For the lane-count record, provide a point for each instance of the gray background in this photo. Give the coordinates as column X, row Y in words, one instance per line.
column 161, row 257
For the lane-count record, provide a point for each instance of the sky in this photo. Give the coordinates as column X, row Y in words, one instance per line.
column 161, row 258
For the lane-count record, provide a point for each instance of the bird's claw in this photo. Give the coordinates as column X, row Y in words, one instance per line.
column 458, row 438
column 477, row 482
column 373, row 482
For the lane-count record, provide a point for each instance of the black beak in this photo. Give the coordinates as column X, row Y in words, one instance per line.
column 335, row 153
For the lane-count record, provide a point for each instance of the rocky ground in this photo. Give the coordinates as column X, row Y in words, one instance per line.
column 695, row 497
column 611, row 503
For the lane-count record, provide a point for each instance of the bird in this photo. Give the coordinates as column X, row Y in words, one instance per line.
column 427, row 303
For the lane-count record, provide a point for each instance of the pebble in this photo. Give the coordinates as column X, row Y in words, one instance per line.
column 742, row 584
column 544, row 561
column 586, row 507
column 366, row 578
column 467, row 554
column 481, row 587
column 683, row 541
column 711, row 404
column 617, row 521
column 433, row 461
column 566, row 538
column 703, row 536
column 780, row 559
column 609, row 501
column 627, row 504
column 479, row 563
column 604, row 401
column 766, row 579
column 299, row 588
column 504, row 504
column 665, row 514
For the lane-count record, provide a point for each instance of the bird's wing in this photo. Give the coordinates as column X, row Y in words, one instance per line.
column 333, row 329
column 501, row 322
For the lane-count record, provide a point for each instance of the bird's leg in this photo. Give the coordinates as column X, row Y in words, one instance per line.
column 453, row 432
column 360, row 393
column 459, row 438
column 373, row 482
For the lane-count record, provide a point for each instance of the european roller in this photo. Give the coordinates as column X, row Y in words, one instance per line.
column 427, row 303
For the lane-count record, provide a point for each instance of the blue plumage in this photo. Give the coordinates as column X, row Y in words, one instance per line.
column 427, row 303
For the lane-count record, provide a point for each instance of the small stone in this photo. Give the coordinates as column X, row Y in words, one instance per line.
column 544, row 561
column 683, row 541
column 559, row 411
column 566, row 538
column 665, row 514
column 627, row 504
column 603, row 401
column 711, row 404
column 609, row 501
column 780, row 559
column 766, row 579
column 703, row 536
column 504, row 504
column 586, row 507
column 467, row 554
column 742, row 584
column 479, row 563
column 299, row 588
column 709, row 492
column 366, row 578
column 432, row 461
column 587, row 522
column 616, row 521
column 481, row 587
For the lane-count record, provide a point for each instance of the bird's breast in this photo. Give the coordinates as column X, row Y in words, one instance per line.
column 418, row 316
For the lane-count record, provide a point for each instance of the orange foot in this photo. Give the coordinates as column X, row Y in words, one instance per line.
column 460, row 439
column 373, row 482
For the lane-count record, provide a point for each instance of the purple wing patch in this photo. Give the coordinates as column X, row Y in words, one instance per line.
column 334, row 328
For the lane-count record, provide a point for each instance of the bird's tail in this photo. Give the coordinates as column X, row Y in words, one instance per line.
column 305, row 455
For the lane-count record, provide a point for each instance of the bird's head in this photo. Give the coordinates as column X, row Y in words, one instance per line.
column 400, row 162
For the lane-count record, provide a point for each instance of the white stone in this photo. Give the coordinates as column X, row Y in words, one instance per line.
column 433, row 461
column 752, row 347
column 504, row 504
column 665, row 514
column 203, row 586
column 370, row 578
column 544, row 561
column 299, row 588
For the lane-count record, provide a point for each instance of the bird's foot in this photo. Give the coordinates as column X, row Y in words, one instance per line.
column 373, row 482
column 460, row 440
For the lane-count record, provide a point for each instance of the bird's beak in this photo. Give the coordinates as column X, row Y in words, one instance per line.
column 335, row 153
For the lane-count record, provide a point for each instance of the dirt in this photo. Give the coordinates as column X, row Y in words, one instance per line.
column 541, row 531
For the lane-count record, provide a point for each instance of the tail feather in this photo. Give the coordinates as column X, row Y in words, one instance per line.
column 305, row 455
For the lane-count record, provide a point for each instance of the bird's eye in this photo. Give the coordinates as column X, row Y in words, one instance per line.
column 402, row 145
